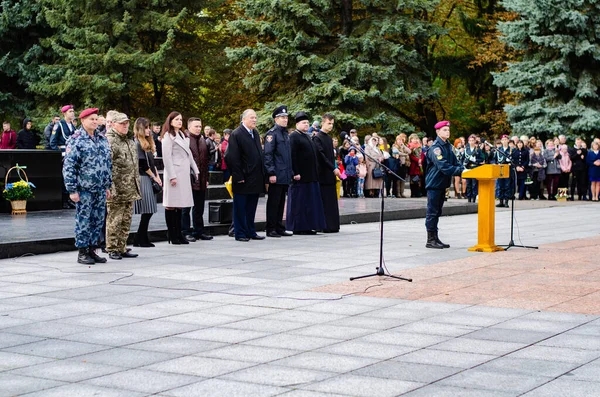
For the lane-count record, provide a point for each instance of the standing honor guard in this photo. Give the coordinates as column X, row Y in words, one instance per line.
column 442, row 165
column 473, row 158
column 504, row 186
column 278, row 165
column 328, row 173
column 245, row 159
column 305, row 209
column 125, row 189
column 63, row 130
column 87, row 174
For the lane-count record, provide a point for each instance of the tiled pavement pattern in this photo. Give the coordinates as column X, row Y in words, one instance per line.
column 222, row 318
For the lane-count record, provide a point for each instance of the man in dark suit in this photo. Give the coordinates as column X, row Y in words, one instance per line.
column 327, row 174
column 278, row 165
column 245, row 160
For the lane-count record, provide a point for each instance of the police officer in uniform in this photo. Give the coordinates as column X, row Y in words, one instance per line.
column 63, row 129
column 442, row 165
column 278, row 166
column 87, row 173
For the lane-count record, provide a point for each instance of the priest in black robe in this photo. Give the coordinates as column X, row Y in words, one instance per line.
column 328, row 173
column 305, row 212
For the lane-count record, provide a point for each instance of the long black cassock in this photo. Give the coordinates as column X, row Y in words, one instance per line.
column 304, row 206
column 327, row 181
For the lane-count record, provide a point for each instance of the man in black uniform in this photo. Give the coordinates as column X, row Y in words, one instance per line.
column 278, row 166
column 442, row 165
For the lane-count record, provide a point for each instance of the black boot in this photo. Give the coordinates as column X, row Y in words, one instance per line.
column 172, row 236
column 84, row 257
column 440, row 242
column 96, row 257
column 432, row 242
column 141, row 237
column 182, row 238
column 500, row 204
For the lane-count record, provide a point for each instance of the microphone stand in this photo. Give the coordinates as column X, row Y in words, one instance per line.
column 380, row 271
column 512, row 206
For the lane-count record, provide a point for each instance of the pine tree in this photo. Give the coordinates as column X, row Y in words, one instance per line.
column 557, row 80
column 133, row 55
column 361, row 61
column 20, row 54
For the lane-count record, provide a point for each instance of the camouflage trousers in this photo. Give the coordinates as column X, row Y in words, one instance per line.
column 89, row 218
column 118, row 222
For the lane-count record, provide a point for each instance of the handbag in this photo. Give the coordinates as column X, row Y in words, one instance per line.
column 156, row 187
column 377, row 173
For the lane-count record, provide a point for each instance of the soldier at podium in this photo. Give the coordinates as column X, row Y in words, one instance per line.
column 442, row 165
column 473, row 158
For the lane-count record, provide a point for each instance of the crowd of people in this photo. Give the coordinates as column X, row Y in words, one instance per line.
column 111, row 172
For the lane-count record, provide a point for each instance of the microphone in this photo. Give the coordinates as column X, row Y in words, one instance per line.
column 487, row 143
column 345, row 137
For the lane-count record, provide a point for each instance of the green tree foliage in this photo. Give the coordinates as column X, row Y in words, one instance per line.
column 363, row 61
column 556, row 81
column 138, row 56
column 20, row 54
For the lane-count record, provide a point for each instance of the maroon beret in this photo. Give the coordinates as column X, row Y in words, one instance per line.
column 87, row 112
column 441, row 124
column 66, row 108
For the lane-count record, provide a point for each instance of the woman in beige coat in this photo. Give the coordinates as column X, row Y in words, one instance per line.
column 373, row 185
column 179, row 164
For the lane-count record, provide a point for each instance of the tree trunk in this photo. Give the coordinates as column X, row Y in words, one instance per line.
column 347, row 17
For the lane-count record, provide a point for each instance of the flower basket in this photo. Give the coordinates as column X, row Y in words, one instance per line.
column 18, row 192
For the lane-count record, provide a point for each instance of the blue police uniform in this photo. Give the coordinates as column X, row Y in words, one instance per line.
column 87, row 170
column 442, row 165
column 61, row 132
column 504, row 186
column 278, row 163
column 473, row 158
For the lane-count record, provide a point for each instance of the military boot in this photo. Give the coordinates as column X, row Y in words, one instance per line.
column 97, row 258
column 432, row 242
column 84, row 257
column 440, row 242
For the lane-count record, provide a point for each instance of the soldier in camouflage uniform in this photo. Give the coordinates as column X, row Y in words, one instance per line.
column 125, row 189
column 87, row 175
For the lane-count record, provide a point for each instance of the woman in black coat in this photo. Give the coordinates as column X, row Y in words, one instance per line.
column 520, row 157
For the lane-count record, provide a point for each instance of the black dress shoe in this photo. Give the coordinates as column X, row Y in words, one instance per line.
column 244, row 239
column 306, row 233
column 115, row 256
column 204, row 237
column 273, row 234
column 128, row 254
column 257, row 237
column 231, row 235
column 285, row 234
column 190, row 238
column 330, row 231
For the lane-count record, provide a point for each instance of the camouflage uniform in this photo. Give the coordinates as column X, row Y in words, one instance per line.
column 124, row 191
column 87, row 171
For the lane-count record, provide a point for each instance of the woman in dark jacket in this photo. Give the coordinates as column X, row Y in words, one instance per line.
column 520, row 157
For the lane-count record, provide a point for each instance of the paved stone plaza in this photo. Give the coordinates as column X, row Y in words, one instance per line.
column 223, row 318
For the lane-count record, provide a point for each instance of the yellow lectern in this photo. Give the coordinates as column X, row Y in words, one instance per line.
column 486, row 212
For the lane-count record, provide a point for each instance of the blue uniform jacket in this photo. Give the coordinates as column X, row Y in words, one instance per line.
column 442, row 165
column 60, row 134
column 87, row 164
column 278, row 157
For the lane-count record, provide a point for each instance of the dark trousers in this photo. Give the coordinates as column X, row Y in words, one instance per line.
column 504, row 188
column 534, row 188
column 391, row 183
column 552, row 184
column 435, row 202
column 522, row 188
column 351, row 184
column 472, row 188
column 275, row 207
column 580, row 182
column 244, row 211
column 563, row 179
column 197, row 215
